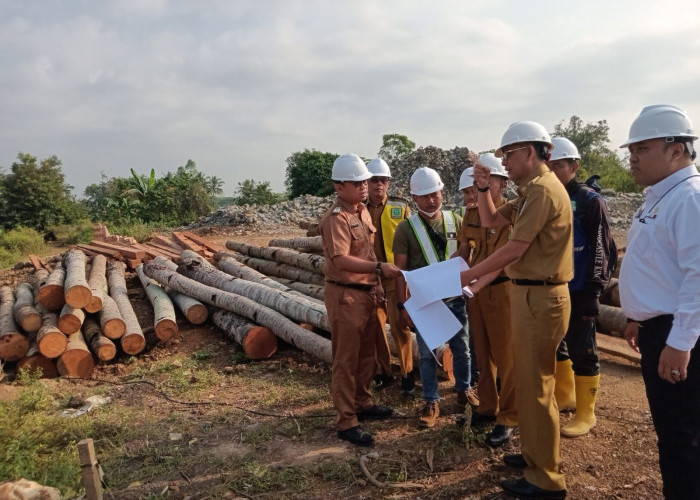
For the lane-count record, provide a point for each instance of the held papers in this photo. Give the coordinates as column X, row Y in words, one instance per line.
column 428, row 286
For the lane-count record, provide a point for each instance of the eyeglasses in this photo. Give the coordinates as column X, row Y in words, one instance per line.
column 357, row 184
column 506, row 153
column 377, row 180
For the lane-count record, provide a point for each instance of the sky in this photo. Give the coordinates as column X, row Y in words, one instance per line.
column 238, row 86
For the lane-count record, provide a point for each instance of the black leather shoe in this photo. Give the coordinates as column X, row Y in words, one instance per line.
column 382, row 381
column 357, row 436
column 375, row 412
column 408, row 384
column 479, row 419
column 499, row 435
column 515, row 460
column 520, row 488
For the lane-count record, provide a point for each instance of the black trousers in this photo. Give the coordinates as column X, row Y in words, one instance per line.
column 675, row 410
column 579, row 344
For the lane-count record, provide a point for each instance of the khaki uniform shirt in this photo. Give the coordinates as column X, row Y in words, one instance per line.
column 346, row 231
column 406, row 243
column 483, row 241
column 542, row 216
column 375, row 212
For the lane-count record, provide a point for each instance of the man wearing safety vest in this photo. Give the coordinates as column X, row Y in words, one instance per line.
column 387, row 212
column 426, row 238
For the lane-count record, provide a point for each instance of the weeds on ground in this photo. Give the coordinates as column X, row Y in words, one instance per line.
column 16, row 244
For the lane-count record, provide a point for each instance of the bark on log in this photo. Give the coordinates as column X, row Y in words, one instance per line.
column 277, row 323
column 34, row 361
column 50, row 340
column 226, row 261
column 195, row 312
column 133, row 341
column 611, row 320
column 98, row 283
column 165, row 324
column 111, row 321
column 313, row 291
column 103, row 348
column 310, row 262
column 258, row 342
column 282, row 270
column 77, row 290
column 25, row 314
column 71, row 319
column 13, row 343
column 51, row 295
column 293, row 306
column 77, row 360
column 314, row 243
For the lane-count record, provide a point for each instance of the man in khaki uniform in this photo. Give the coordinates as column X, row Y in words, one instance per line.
column 539, row 260
column 489, row 315
column 353, row 292
column 387, row 212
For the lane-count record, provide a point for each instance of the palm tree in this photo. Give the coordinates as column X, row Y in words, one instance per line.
column 214, row 186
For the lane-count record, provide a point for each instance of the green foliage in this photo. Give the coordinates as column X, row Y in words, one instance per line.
column 256, row 193
column 597, row 157
column 395, row 146
column 35, row 195
column 15, row 244
column 309, row 172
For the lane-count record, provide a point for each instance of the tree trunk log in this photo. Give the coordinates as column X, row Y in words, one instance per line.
column 165, row 324
column 51, row 341
column 133, row 340
column 103, row 348
column 277, row 323
column 293, row 306
column 313, row 291
column 611, row 320
column 51, row 295
column 24, row 312
column 97, row 283
column 195, row 312
column 77, row 290
column 34, row 361
column 258, row 342
column 13, row 344
column 111, row 322
column 310, row 262
column 308, row 244
column 71, row 319
column 271, row 268
column 226, row 261
column 77, row 360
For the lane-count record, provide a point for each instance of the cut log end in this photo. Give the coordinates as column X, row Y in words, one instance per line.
column 76, row 363
column 114, row 328
column 53, row 344
column 260, row 343
column 106, row 352
column 13, row 346
column 51, row 297
column 33, row 364
column 78, row 296
column 31, row 322
column 133, row 343
column 197, row 314
column 166, row 329
column 69, row 324
column 95, row 305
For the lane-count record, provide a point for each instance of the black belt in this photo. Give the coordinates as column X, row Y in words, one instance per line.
column 499, row 280
column 354, row 286
column 658, row 322
column 522, row 282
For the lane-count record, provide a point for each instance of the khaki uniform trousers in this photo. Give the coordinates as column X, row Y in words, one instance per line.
column 539, row 319
column 490, row 328
column 401, row 336
column 354, row 330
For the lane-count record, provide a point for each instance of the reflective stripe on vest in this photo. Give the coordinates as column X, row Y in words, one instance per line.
column 426, row 244
column 394, row 212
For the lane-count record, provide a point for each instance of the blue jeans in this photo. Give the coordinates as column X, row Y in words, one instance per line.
column 459, row 345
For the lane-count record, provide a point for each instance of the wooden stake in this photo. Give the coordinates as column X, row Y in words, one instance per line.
column 91, row 472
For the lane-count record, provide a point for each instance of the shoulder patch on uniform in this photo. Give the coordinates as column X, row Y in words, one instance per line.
column 336, row 210
column 395, row 213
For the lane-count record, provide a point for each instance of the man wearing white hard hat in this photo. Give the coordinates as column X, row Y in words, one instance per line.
column 489, row 316
column 387, row 212
column 352, row 294
column 595, row 257
column 539, row 260
column 466, row 187
column 660, row 288
column 426, row 238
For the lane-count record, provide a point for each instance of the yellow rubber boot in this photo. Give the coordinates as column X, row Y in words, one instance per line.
column 564, row 386
column 586, row 392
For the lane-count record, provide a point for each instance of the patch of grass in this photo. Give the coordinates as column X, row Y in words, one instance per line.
column 258, row 433
column 16, row 244
column 72, row 234
column 251, row 478
column 138, row 230
column 203, row 354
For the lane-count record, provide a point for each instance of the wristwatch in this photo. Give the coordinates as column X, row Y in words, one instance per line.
column 378, row 268
column 482, row 190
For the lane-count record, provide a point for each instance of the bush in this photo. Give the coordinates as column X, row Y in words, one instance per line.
column 15, row 244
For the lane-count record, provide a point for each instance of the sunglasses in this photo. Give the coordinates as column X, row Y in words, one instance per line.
column 377, row 180
column 506, row 153
column 357, row 184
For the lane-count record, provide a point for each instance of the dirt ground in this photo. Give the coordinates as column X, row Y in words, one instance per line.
column 617, row 460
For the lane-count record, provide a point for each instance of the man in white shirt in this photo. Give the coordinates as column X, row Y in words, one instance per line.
column 660, row 289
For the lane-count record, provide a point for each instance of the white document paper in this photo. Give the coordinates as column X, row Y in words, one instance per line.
column 435, row 282
column 434, row 322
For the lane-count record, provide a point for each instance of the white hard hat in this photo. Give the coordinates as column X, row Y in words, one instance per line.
column 467, row 178
column 660, row 120
column 425, row 181
column 563, row 149
column 379, row 168
column 349, row 167
column 524, row 132
column 497, row 168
